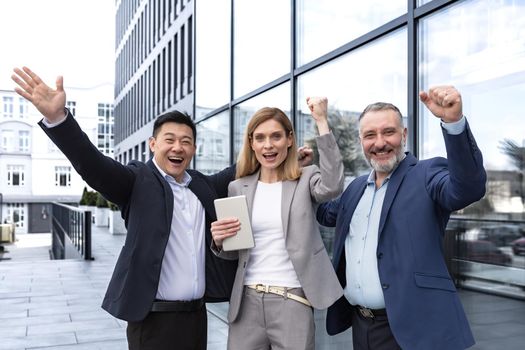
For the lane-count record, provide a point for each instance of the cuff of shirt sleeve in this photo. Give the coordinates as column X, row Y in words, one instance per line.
column 455, row 128
column 52, row 125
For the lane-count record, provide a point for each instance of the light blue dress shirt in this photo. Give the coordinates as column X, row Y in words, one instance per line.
column 363, row 286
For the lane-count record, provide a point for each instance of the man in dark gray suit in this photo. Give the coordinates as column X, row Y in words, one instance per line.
column 165, row 273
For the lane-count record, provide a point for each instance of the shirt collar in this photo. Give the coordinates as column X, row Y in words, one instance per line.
column 185, row 180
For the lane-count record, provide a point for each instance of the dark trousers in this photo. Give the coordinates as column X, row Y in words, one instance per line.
column 169, row 331
column 372, row 333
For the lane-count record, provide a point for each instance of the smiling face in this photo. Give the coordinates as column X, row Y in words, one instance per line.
column 270, row 144
column 383, row 139
column 173, row 148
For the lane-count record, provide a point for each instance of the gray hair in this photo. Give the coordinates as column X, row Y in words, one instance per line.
column 381, row 106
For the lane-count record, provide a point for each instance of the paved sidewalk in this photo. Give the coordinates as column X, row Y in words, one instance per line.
column 55, row 304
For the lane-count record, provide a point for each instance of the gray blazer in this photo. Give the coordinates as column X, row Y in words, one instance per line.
column 303, row 240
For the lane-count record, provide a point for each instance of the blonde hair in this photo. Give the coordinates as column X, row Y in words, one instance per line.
column 248, row 164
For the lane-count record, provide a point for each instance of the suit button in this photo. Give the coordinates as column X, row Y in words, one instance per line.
column 379, row 255
column 385, row 286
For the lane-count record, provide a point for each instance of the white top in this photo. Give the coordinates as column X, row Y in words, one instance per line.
column 182, row 275
column 269, row 262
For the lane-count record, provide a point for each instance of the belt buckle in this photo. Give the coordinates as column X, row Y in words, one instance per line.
column 261, row 288
column 366, row 312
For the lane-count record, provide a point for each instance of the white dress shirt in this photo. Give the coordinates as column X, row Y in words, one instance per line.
column 182, row 275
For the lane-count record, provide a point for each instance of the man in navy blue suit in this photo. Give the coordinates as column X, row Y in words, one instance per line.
column 389, row 229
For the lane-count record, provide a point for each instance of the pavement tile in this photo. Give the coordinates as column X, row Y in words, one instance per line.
column 104, row 345
column 71, row 327
column 90, row 336
column 41, row 340
column 39, row 320
column 55, row 305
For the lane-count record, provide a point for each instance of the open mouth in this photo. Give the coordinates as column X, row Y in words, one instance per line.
column 176, row 160
column 382, row 154
column 270, row 156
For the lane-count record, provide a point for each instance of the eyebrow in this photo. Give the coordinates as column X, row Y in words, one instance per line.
column 279, row 132
column 170, row 134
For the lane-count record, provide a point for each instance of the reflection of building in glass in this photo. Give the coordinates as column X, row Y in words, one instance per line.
column 356, row 53
column 212, row 151
column 33, row 172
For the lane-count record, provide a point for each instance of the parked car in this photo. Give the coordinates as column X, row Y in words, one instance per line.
column 518, row 246
column 500, row 235
column 484, row 252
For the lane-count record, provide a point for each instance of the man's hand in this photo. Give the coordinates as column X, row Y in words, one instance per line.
column 305, row 155
column 444, row 102
column 319, row 109
column 49, row 102
column 224, row 228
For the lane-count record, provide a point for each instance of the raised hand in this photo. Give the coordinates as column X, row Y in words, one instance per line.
column 319, row 109
column 444, row 102
column 49, row 102
column 305, row 156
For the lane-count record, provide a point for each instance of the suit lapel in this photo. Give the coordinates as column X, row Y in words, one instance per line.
column 249, row 186
column 168, row 192
column 288, row 191
column 201, row 189
column 347, row 211
column 393, row 186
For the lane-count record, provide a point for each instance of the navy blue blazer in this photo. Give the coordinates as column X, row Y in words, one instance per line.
column 424, row 310
column 146, row 203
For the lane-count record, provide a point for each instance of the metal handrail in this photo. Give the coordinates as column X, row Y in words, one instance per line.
column 71, row 227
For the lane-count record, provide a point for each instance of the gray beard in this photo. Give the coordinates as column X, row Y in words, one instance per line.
column 390, row 165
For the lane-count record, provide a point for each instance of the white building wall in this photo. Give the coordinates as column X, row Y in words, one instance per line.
column 43, row 157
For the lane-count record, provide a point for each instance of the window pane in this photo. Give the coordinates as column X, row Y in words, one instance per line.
column 277, row 97
column 351, row 82
column 262, row 43
column 212, row 72
column 213, row 151
column 478, row 47
column 322, row 28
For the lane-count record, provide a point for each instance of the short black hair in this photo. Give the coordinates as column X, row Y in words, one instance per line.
column 174, row 117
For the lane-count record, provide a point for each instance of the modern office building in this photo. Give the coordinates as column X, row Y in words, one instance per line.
column 33, row 171
column 221, row 60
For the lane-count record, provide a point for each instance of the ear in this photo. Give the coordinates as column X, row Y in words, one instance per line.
column 152, row 144
column 290, row 139
column 405, row 132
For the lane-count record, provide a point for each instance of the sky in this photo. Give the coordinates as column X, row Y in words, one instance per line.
column 72, row 38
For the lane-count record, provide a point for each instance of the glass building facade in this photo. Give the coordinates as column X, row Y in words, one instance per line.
column 251, row 54
column 221, row 60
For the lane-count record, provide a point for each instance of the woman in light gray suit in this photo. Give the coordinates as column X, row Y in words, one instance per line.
column 288, row 271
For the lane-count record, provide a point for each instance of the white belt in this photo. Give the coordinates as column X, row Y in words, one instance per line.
column 282, row 291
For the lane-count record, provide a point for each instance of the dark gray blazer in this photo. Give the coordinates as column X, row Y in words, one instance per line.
column 146, row 202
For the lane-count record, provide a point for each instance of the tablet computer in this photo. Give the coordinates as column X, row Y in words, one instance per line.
column 236, row 207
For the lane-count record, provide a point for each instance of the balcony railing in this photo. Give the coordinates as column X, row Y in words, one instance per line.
column 71, row 232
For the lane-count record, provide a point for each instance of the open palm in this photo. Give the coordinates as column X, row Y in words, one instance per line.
column 50, row 102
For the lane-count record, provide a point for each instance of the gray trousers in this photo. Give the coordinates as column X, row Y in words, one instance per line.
column 268, row 321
